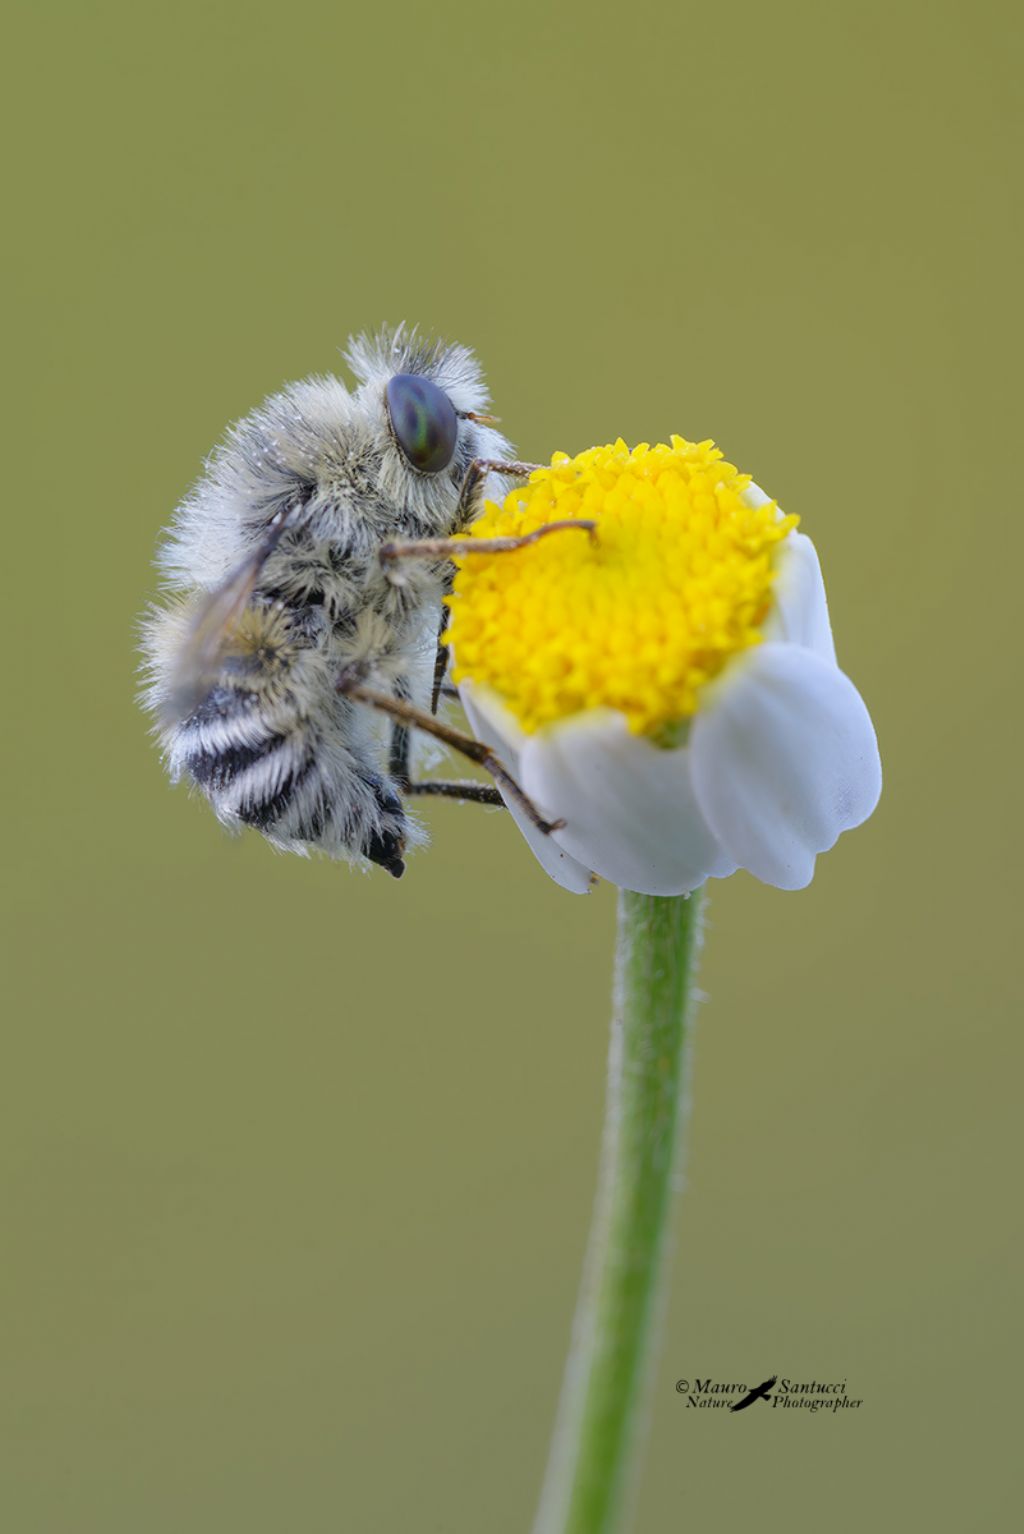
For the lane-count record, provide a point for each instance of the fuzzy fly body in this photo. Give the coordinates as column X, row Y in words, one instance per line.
column 278, row 591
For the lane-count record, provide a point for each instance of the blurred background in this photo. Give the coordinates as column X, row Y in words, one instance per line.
column 296, row 1163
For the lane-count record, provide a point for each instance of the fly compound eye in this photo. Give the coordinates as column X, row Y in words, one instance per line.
column 423, row 422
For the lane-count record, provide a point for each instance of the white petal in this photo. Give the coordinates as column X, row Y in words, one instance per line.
column 784, row 760
column 629, row 807
column 492, row 723
column 800, row 610
column 754, row 497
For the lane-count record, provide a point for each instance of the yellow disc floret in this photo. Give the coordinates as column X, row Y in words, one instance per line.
column 675, row 579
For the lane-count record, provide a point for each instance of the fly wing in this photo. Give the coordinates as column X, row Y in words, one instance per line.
column 213, row 623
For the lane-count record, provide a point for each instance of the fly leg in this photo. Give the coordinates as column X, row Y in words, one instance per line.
column 448, row 548
column 440, row 664
column 473, row 484
column 468, row 503
column 451, row 548
column 350, row 685
column 464, row 789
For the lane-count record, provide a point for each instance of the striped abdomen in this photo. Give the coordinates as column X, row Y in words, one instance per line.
column 299, row 788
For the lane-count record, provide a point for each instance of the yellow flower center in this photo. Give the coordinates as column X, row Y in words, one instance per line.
column 675, row 580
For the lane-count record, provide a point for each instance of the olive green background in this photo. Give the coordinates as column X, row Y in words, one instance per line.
column 297, row 1163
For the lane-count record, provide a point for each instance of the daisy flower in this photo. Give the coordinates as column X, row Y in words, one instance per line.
column 668, row 686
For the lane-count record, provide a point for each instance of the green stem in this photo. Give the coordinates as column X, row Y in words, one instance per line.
column 596, row 1434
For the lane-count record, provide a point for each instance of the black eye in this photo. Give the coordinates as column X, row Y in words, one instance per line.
column 423, row 420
